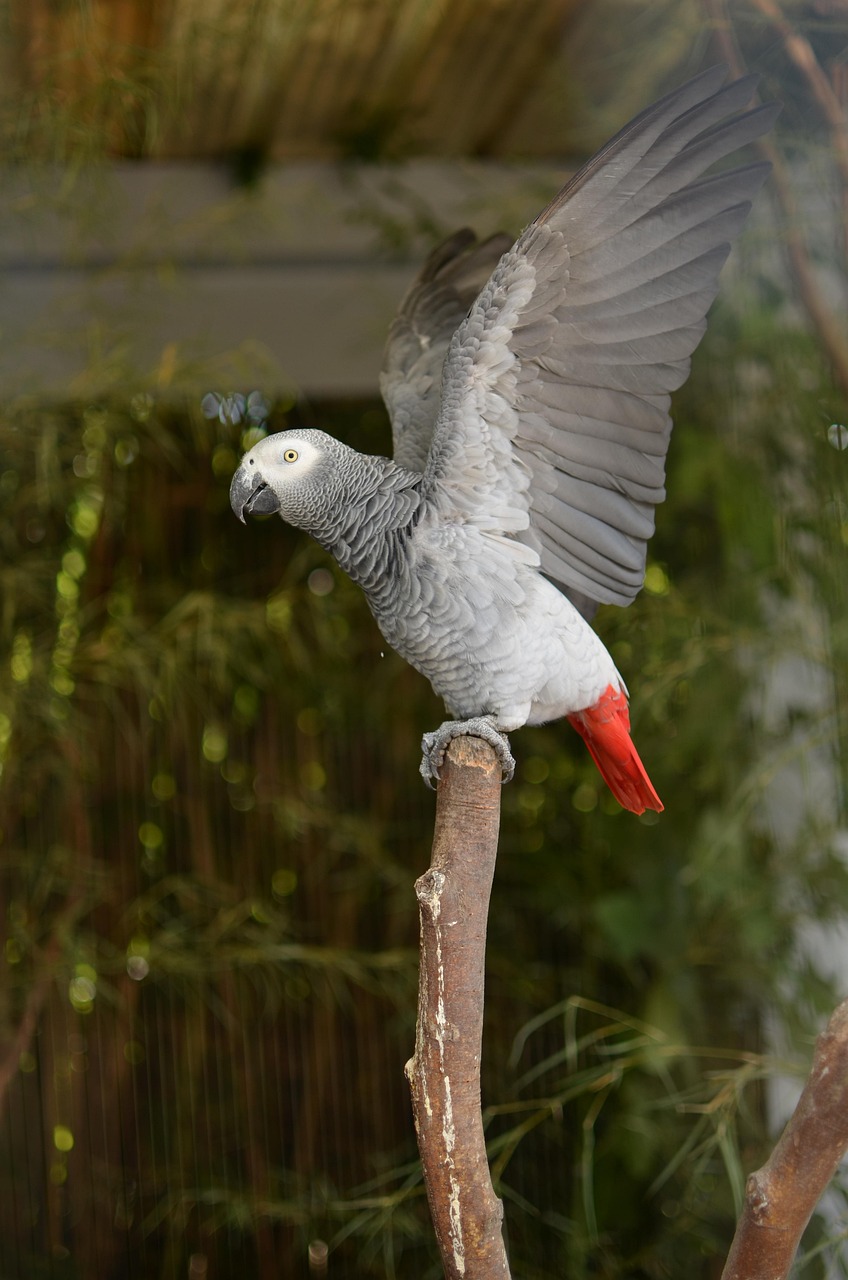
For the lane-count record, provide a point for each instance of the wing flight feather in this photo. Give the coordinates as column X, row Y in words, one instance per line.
column 550, row 425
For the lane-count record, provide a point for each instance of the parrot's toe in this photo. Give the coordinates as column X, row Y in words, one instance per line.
column 434, row 745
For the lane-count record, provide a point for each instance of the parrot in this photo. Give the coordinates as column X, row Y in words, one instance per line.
column 528, row 386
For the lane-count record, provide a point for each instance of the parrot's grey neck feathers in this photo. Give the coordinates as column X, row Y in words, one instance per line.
column 365, row 530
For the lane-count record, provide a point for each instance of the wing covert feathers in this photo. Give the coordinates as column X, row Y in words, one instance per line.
column 432, row 309
column 605, row 728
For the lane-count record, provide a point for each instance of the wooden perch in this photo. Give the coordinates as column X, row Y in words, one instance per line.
column 780, row 1197
column 444, row 1073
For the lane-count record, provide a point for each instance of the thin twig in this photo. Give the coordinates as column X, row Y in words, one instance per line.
column 780, row 1197
column 444, row 1073
column 801, row 52
column 825, row 322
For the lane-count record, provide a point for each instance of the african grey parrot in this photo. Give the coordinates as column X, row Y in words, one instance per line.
column 529, row 387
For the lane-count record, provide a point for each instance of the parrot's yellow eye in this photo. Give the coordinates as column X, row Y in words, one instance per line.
column 290, row 455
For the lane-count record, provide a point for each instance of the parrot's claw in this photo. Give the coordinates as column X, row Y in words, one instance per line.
column 434, row 745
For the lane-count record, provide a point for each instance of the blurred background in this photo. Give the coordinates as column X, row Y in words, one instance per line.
column 210, row 812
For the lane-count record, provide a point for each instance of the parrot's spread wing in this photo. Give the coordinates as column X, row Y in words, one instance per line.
column 554, row 419
column 431, row 311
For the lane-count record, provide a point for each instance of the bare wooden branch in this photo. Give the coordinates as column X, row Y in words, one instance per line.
column 801, row 53
column 780, row 1197
column 444, row 1073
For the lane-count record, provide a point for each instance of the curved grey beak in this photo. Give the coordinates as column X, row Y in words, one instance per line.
column 250, row 495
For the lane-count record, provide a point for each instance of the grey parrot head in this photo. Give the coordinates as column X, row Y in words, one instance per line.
column 301, row 475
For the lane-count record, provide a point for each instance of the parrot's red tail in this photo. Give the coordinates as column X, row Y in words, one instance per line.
column 605, row 728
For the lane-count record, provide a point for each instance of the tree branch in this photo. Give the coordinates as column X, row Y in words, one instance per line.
column 444, row 1073
column 780, row 1197
column 801, row 53
column 825, row 322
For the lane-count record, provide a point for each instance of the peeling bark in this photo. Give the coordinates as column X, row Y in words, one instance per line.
column 780, row 1197
column 444, row 1073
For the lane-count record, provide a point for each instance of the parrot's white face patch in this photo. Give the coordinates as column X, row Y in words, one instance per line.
column 284, row 457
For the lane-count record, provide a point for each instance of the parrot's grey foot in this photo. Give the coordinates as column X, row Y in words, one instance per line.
column 434, row 745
